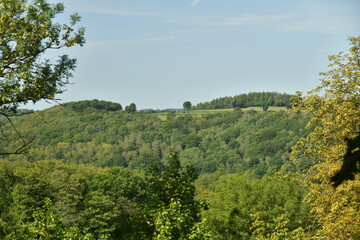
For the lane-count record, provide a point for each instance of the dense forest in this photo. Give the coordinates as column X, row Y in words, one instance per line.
column 254, row 99
column 91, row 170
column 96, row 172
column 234, row 142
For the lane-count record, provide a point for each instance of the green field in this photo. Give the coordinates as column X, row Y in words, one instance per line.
column 162, row 115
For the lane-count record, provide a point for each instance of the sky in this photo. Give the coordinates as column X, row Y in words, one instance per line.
column 160, row 53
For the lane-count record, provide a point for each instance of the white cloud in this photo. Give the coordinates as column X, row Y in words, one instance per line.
column 129, row 42
column 321, row 25
column 253, row 19
column 300, row 22
column 326, row 21
column 194, row 3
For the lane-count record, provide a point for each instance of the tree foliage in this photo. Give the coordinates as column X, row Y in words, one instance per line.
column 117, row 203
column 54, row 200
column 176, row 212
column 27, row 32
column 80, row 106
column 242, row 207
column 187, row 105
column 131, row 108
column 234, row 141
column 335, row 107
column 254, row 99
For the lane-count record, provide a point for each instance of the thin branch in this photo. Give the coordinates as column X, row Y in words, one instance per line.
column 23, row 149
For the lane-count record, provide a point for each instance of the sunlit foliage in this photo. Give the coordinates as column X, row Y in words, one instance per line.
column 335, row 106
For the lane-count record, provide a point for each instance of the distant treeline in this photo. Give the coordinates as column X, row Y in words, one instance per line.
column 254, row 99
column 97, row 104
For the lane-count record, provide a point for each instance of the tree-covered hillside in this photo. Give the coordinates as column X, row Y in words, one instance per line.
column 95, row 173
column 54, row 200
column 233, row 141
column 89, row 170
column 254, row 99
column 82, row 105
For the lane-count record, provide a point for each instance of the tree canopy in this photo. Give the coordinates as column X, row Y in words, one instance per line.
column 27, row 32
column 84, row 191
column 131, row 108
column 80, row 106
column 233, row 141
column 253, row 99
column 335, row 107
column 187, row 105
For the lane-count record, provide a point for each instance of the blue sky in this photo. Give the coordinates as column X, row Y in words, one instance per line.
column 160, row 53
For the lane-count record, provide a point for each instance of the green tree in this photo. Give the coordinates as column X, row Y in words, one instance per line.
column 131, row 108
column 235, row 199
column 334, row 106
column 46, row 225
column 276, row 230
column 54, row 200
column 172, row 200
column 234, row 103
column 265, row 107
column 187, row 105
column 27, row 32
column 170, row 223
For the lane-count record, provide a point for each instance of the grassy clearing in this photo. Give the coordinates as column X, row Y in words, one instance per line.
column 210, row 111
column 199, row 113
column 271, row 109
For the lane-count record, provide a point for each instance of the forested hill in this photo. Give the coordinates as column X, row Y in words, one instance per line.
column 233, row 141
column 98, row 172
column 254, row 99
column 221, row 170
column 80, row 106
